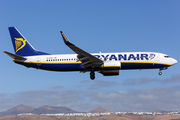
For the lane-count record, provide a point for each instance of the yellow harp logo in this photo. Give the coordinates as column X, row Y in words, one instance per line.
column 20, row 43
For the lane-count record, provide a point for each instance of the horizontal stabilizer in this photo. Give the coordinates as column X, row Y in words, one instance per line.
column 15, row 57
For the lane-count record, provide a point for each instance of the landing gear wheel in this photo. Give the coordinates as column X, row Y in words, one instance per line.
column 160, row 73
column 92, row 75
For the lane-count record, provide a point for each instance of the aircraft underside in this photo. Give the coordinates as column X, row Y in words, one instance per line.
column 78, row 67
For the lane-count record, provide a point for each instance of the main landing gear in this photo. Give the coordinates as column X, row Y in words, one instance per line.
column 92, row 75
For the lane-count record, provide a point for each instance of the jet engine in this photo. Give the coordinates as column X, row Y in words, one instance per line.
column 111, row 68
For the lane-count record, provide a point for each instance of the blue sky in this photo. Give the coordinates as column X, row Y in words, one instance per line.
column 106, row 26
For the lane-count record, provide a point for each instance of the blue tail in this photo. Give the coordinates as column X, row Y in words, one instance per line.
column 21, row 46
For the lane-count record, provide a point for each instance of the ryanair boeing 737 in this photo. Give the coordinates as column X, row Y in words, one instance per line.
column 107, row 64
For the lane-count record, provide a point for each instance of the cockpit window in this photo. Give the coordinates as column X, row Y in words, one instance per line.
column 167, row 56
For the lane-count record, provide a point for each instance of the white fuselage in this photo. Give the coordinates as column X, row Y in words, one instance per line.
column 128, row 60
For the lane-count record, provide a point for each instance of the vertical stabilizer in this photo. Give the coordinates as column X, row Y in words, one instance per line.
column 21, row 46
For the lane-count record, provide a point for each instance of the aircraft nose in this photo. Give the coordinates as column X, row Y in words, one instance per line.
column 174, row 61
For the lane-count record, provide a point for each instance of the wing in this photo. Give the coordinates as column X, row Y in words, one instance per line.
column 87, row 59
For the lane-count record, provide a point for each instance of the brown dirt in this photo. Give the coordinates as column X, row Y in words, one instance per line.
column 108, row 117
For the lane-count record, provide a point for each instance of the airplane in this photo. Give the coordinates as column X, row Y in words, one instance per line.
column 108, row 64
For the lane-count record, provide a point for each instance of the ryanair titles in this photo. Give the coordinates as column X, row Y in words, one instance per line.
column 126, row 57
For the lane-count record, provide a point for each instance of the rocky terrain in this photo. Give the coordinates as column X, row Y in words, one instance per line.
column 99, row 110
column 17, row 110
column 23, row 112
column 44, row 110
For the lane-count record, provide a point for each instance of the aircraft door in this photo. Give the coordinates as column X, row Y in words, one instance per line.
column 158, row 58
column 38, row 61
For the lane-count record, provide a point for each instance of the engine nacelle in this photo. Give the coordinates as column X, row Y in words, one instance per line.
column 111, row 68
column 112, row 65
column 110, row 72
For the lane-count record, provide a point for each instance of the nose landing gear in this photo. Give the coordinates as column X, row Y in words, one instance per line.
column 164, row 68
column 160, row 73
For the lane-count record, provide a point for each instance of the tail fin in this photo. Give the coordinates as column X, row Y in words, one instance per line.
column 21, row 46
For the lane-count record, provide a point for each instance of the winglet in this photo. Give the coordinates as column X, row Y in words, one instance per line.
column 66, row 41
